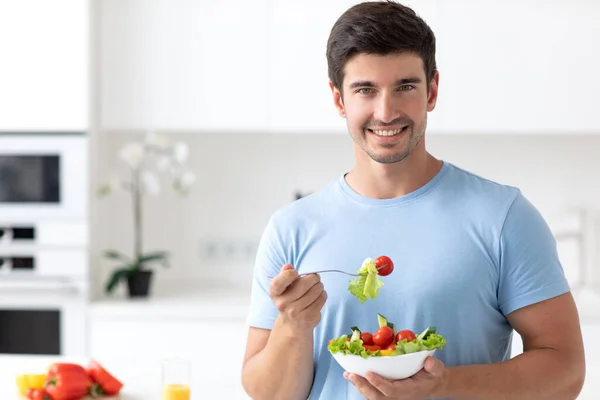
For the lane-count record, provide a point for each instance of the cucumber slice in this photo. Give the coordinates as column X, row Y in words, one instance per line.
column 355, row 334
column 423, row 335
column 391, row 325
column 382, row 320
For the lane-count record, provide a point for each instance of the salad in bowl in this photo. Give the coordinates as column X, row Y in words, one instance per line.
column 387, row 352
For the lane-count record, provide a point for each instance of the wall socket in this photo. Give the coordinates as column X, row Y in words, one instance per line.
column 227, row 250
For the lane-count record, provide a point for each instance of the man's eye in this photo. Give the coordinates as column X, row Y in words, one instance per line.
column 365, row 90
column 404, row 88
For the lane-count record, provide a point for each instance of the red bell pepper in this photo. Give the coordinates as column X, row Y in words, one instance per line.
column 105, row 382
column 67, row 381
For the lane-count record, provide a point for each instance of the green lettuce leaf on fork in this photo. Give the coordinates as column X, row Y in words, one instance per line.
column 368, row 283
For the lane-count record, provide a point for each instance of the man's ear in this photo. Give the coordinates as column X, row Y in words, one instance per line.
column 433, row 91
column 338, row 102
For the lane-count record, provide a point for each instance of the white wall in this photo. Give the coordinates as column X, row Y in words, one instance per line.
column 243, row 178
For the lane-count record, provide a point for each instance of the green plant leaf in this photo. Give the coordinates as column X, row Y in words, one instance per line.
column 159, row 256
column 116, row 277
column 115, row 255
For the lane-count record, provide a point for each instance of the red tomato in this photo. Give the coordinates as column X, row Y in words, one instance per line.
column 391, row 347
column 37, row 394
column 386, row 263
column 405, row 334
column 367, row 338
column 372, row 348
column 384, row 336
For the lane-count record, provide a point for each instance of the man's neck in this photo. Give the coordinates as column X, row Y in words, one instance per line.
column 385, row 181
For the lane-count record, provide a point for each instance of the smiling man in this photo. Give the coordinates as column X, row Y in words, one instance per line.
column 472, row 257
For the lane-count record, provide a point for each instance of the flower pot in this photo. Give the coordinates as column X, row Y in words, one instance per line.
column 139, row 283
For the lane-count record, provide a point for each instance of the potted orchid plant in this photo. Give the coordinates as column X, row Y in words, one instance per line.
column 144, row 159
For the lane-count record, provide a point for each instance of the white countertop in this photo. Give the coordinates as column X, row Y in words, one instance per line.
column 142, row 380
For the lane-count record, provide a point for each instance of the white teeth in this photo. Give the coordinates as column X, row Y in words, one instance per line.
column 388, row 133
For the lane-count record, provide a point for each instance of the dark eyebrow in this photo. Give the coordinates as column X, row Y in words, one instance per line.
column 400, row 82
column 356, row 84
column 406, row 81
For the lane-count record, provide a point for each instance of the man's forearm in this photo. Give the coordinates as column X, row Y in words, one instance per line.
column 284, row 368
column 541, row 374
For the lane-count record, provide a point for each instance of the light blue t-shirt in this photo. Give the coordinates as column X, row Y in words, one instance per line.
column 467, row 252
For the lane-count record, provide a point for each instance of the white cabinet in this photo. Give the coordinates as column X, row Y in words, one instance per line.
column 517, row 67
column 44, row 68
column 235, row 65
column 300, row 97
column 208, row 331
column 183, row 65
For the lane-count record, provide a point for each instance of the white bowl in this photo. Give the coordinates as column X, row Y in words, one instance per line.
column 389, row 367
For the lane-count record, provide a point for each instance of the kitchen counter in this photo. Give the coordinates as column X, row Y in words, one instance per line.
column 141, row 379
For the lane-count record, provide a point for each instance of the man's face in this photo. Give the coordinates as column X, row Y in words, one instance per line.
column 385, row 101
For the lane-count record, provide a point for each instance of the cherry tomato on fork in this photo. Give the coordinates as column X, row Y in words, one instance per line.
column 386, row 263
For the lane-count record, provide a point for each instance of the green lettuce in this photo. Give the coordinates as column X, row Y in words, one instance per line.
column 433, row 341
column 342, row 345
column 368, row 283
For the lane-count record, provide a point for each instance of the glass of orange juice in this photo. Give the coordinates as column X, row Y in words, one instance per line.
column 176, row 377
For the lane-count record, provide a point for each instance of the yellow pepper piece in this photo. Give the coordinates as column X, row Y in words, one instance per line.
column 33, row 381
column 22, row 384
column 37, row 381
column 386, row 352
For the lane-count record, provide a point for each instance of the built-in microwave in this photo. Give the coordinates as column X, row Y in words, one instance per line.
column 43, row 175
column 44, row 245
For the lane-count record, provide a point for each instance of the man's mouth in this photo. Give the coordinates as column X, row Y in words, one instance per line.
column 387, row 132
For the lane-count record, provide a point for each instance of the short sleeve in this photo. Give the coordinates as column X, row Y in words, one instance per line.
column 269, row 260
column 530, row 269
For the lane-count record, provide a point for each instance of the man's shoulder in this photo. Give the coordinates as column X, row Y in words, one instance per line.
column 483, row 190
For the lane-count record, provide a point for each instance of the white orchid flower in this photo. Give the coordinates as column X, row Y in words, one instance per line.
column 157, row 140
column 180, row 152
column 150, row 183
column 133, row 154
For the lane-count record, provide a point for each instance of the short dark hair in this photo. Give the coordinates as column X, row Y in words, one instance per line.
column 382, row 28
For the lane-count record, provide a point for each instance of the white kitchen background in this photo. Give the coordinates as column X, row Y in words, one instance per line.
column 244, row 84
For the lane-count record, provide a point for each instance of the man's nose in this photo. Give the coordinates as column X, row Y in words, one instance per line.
column 386, row 109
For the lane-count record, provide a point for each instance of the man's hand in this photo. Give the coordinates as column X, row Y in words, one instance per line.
column 425, row 384
column 298, row 299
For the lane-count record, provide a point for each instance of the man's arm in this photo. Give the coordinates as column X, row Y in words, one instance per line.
column 278, row 363
column 552, row 365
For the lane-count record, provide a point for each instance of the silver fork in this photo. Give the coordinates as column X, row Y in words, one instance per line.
column 330, row 270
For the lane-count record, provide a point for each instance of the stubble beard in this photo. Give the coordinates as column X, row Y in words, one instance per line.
column 414, row 138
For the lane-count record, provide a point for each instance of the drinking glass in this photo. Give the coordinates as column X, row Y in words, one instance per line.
column 176, row 379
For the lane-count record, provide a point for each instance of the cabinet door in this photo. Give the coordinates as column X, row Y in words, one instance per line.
column 44, row 67
column 518, row 66
column 183, row 65
column 215, row 348
column 301, row 100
